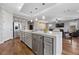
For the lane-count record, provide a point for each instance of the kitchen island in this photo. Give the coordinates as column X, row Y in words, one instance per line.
column 41, row 43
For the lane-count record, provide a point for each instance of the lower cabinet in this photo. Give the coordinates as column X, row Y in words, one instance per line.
column 48, row 46
column 26, row 38
column 22, row 36
column 41, row 45
column 38, row 44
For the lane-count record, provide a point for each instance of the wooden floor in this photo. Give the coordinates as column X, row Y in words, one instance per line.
column 71, row 48
column 16, row 47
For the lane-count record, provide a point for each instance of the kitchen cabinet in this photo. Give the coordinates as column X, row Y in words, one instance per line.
column 22, row 36
column 26, row 38
column 48, row 46
column 37, row 44
column 43, row 43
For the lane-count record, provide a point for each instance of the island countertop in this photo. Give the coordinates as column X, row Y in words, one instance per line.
column 47, row 34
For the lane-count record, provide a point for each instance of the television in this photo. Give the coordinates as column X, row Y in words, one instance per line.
column 60, row 25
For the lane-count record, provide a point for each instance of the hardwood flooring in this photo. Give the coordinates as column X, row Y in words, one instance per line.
column 16, row 47
column 71, row 48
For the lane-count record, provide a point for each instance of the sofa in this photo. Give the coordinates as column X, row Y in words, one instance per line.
column 74, row 34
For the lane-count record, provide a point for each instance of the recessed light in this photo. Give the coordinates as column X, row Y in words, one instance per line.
column 50, row 25
column 31, row 20
column 43, row 3
column 30, row 11
column 36, row 8
column 58, row 18
column 43, row 17
column 36, row 19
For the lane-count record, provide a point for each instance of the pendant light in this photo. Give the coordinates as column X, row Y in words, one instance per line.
column 56, row 20
column 36, row 19
column 43, row 17
column 31, row 20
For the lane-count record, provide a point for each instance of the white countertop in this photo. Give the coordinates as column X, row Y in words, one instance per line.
column 47, row 34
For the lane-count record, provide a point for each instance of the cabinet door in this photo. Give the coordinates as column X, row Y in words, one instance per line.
column 37, row 44
column 28, row 40
column 22, row 36
column 34, row 43
column 40, row 45
column 48, row 46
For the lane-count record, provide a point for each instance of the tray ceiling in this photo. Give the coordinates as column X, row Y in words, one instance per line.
column 51, row 11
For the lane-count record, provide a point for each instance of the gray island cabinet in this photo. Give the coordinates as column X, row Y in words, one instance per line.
column 43, row 43
column 38, row 44
column 48, row 46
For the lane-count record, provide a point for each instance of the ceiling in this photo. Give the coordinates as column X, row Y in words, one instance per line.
column 51, row 11
column 34, row 8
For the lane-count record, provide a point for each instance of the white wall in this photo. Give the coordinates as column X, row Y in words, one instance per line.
column 0, row 25
column 6, row 25
column 78, row 24
column 68, row 24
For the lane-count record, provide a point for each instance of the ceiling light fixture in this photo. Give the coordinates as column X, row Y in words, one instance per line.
column 43, row 3
column 30, row 11
column 36, row 19
column 56, row 20
column 31, row 20
column 50, row 25
column 43, row 17
column 36, row 8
